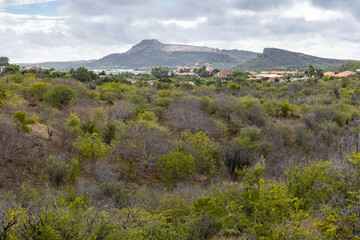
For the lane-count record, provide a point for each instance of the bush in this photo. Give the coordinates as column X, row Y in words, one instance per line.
column 175, row 166
column 88, row 126
column 17, row 78
column 205, row 151
column 251, row 132
column 39, row 89
column 242, row 152
column 91, row 146
column 57, row 171
column 109, row 132
column 60, row 95
column 22, row 122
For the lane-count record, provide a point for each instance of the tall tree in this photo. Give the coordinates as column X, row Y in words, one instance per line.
column 160, row 72
column 4, row 61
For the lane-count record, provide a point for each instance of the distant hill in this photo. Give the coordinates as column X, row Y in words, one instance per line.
column 279, row 59
column 151, row 53
column 349, row 66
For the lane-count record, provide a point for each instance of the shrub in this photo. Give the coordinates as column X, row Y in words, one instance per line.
column 91, row 146
column 242, row 152
column 39, row 89
column 2, row 97
column 17, row 78
column 205, row 151
column 60, row 95
column 73, row 123
column 22, row 122
column 88, row 126
column 251, row 132
column 285, row 108
column 175, row 166
column 109, row 132
column 58, row 171
column 148, row 116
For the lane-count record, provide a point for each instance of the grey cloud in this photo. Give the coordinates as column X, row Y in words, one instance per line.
column 105, row 23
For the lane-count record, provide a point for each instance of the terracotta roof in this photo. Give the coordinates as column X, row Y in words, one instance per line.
column 329, row 74
column 224, row 72
column 345, row 74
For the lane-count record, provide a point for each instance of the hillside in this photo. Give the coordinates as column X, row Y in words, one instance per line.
column 151, row 53
column 279, row 59
column 229, row 159
column 349, row 66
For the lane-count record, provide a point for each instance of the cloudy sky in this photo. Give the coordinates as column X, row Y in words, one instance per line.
column 44, row 30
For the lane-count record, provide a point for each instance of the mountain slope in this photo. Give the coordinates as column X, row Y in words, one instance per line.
column 151, row 53
column 278, row 59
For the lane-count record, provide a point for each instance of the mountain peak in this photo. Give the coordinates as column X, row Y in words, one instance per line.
column 147, row 45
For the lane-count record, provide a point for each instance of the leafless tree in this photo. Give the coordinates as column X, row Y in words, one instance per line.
column 12, row 142
column 185, row 114
column 122, row 111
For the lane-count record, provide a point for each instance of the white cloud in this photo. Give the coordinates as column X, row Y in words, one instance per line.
column 305, row 10
column 88, row 29
column 185, row 23
column 8, row 3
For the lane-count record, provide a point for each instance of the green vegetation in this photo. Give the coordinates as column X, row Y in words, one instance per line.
column 349, row 66
column 60, row 95
column 222, row 158
column 22, row 122
column 278, row 59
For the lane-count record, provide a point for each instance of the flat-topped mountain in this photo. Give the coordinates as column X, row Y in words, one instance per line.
column 152, row 53
column 150, row 45
column 279, row 59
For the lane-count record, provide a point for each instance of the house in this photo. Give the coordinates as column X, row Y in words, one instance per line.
column 266, row 75
column 282, row 73
column 224, row 74
column 36, row 68
column 272, row 80
column 345, row 74
column 2, row 68
column 187, row 74
column 329, row 74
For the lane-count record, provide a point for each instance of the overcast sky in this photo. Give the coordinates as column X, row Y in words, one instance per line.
column 44, row 30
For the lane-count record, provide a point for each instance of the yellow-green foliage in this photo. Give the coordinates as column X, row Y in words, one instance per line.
column 22, row 122
column 175, row 166
column 60, row 95
column 111, row 91
column 73, row 123
column 148, row 116
column 91, row 146
column 205, row 151
column 17, row 78
column 39, row 89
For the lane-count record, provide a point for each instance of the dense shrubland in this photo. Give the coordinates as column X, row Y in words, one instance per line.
column 101, row 158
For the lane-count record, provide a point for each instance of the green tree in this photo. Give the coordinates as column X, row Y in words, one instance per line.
column 310, row 71
column 39, row 89
column 82, row 74
column 109, row 132
column 4, row 61
column 22, row 122
column 60, row 95
column 205, row 151
column 73, row 123
column 175, row 166
column 12, row 69
column 3, row 97
column 91, row 146
column 202, row 72
column 160, row 72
